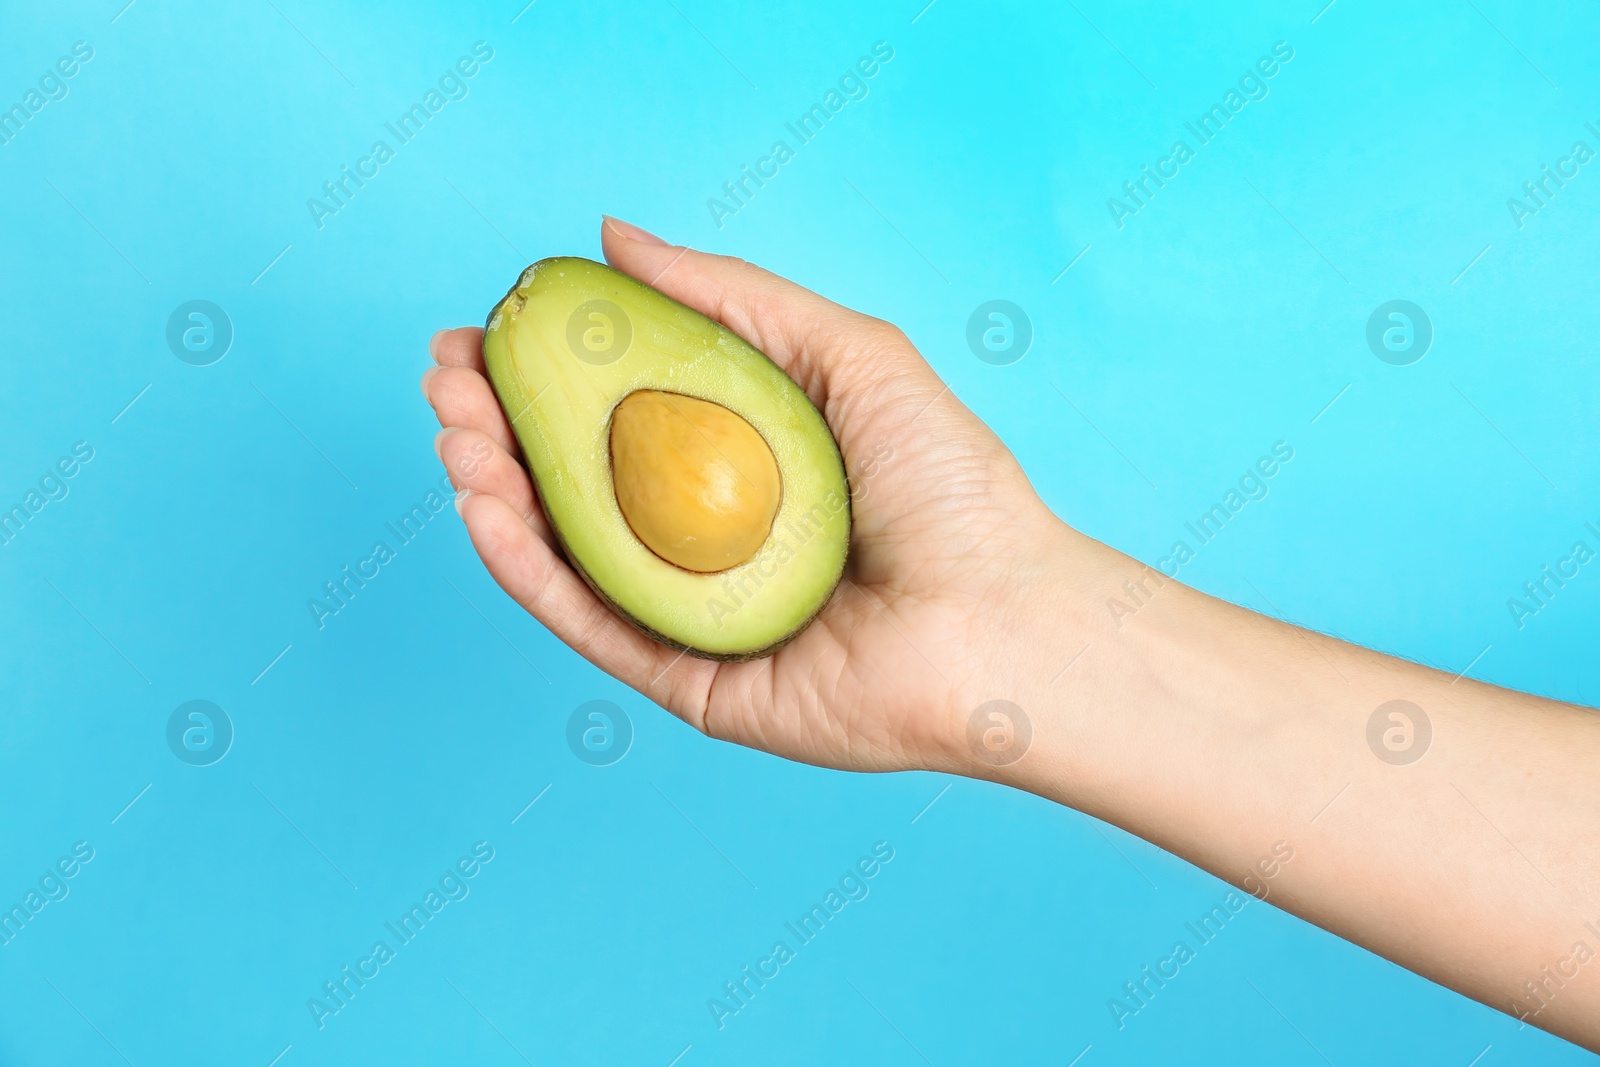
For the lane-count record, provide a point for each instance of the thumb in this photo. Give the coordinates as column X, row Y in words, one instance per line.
column 797, row 329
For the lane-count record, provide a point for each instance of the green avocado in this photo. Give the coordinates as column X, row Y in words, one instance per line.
column 757, row 552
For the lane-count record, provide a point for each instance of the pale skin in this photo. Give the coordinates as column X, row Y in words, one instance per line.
column 1214, row 732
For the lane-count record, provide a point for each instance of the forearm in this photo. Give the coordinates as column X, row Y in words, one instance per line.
column 1471, row 857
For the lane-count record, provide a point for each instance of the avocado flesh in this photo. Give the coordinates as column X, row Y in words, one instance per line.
column 551, row 352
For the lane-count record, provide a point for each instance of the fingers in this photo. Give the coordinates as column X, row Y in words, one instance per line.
column 532, row 575
column 462, row 397
column 461, row 347
column 513, row 538
column 477, row 463
column 802, row 332
column 458, row 387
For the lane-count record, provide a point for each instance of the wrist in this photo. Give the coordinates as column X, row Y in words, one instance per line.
column 1113, row 663
column 1013, row 717
column 1080, row 668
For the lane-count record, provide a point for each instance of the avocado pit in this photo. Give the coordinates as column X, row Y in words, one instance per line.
column 697, row 484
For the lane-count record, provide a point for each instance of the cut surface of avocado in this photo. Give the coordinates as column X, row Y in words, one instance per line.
column 689, row 480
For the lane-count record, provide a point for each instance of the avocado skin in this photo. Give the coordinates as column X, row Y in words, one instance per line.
column 570, row 557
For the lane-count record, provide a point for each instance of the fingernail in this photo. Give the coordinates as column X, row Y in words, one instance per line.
column 461, row 498
column 433, row 344
column 438, row 441
column 427, row 375
column 628, row 231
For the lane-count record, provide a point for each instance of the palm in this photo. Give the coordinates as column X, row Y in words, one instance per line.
column 855, row 689
column 882, row 671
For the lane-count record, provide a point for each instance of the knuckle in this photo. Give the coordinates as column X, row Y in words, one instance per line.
column 886, row 334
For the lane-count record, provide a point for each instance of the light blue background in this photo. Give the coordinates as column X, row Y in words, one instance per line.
column 1224, row 317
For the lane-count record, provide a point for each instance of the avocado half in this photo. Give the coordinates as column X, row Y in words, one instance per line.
column 572, row 340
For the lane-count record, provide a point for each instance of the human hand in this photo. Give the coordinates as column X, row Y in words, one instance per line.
column 1214, row 732
column 949, row 550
